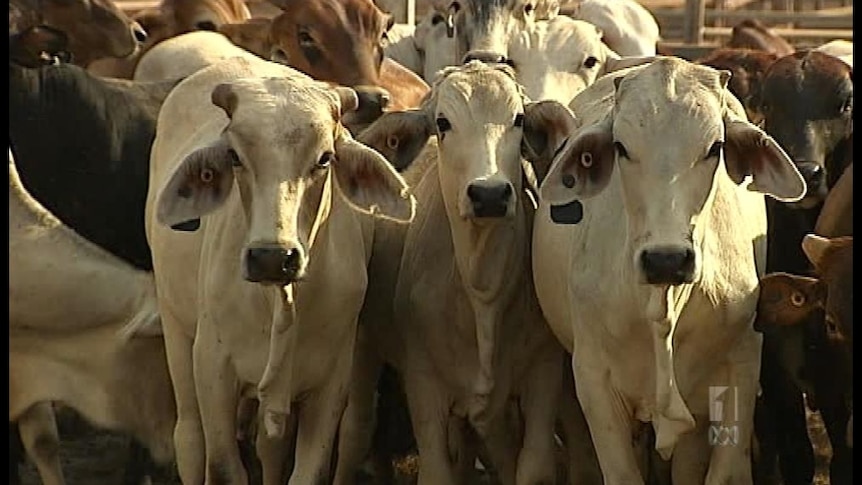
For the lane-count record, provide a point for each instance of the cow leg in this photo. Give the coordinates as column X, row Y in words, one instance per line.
column 217, row 386
column 501, row 448
column 188, row 434
column 609, row 420
column 319, row 417
column 835, row 416
column 357, row 424
column 273, row 453
column 691, row 455
column 540, row 397
column 429, row 414
column 583, row 464
column 38, row 428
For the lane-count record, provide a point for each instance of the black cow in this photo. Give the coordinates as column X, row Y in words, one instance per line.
column 82, row 148
column 806, row 99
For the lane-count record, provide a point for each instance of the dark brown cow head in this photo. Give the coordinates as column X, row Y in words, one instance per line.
column 94, row 28
column 752, row 34
column 38, row 46
column 806, row 100
column 331, row 40
column 747, row 68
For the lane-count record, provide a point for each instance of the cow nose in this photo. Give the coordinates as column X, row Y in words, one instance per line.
column 668, row 266
column 139, row 33
column 490, row 199
column 811, row 172
column 273, row 264
column 488, row 57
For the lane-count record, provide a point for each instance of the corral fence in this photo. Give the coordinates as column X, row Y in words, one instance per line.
column 690, row 28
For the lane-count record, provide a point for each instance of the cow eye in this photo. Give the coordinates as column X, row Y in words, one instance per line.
column 519, row 119
column 621, row 150
column 325, row 159
column 715, row 150
column 590, row 62
column 305, row 38
column 443, row 125
column 847, row 107
column 234, row 158
column 437, row 18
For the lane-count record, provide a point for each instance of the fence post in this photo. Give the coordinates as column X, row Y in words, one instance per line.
column 695, row 14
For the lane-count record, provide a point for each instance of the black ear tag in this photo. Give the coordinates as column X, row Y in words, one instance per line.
column 571, row 213
column 188, row 226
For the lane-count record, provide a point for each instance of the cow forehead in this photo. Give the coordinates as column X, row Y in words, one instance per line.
column 807, row 70
column 486, row 91
column 358, row 16
column 286, row 113
column 682, row 102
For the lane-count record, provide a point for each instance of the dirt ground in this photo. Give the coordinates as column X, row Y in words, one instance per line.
column 91, row 457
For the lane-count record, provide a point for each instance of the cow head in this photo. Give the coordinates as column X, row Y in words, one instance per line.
column 434, row 45
column 95, row 28
column 672, row 124
column 627, row 27
column 331, row 40
column 282, row 145
column 252, row 35
column 483, row 29
column 807, row 102
column 483, row 125
column 38, row 46
column 559, row 58
column 752, row 34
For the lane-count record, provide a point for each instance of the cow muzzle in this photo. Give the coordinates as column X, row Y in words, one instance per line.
column 667, row 265
column 273, row 264
column 487, row 57
column 490, row 198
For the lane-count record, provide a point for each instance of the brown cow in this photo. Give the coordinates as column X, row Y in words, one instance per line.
column 752, row 34
column 747, row 67
column 93, row 29
column 172, row 18
column 818, row 357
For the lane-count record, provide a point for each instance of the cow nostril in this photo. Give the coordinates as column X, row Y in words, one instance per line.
column 473, row 192
column 139, row 33
column 507, row 191
column 206, row 25
column 384, row 100
column 290, row 263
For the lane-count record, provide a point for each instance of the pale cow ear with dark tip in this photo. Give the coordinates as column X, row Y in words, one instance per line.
column 198, row 186
column 225, row 98
column 370, row 184
column 349, row 99
column 547, row 124
column 399, row 136
column 786, row 300
column 583, row 167
column 748, row 150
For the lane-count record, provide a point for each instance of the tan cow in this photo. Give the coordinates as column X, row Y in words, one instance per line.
column 92, row 29
column 84, row 332
column 261, row 299
column 653, row 285
column 450, row 303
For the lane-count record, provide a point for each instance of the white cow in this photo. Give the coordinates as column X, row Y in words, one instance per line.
column 185, row 54
column 649, row 276
column 453, row 308
column 628, row 28
column 84, row 332
column 261, row 300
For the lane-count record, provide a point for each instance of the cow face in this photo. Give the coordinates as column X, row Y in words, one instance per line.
column 671, row 126
column 331, row 40
column 282, row 145
column 483, row 126
column 559, row 58
column 747, row 68
column 95, row 28
column 807, row 102
column 437, row 49
column 191, row 15
column 252, row 35
column 483, row 29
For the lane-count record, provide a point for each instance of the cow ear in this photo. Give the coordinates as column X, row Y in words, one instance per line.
column 198, row 186
column 583, row 166
column 748, row 150
column 399, row 136
column 370, row 184
column 547, row 124
column 786, row 300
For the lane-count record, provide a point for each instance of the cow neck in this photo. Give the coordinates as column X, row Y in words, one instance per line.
column 490, row 260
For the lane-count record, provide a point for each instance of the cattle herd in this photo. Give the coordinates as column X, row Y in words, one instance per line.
column 520, row 244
